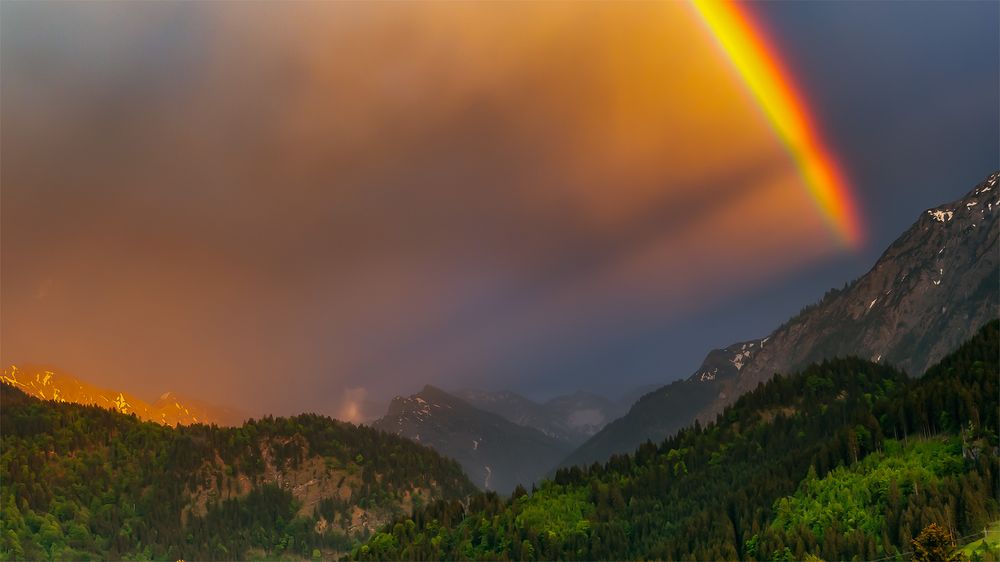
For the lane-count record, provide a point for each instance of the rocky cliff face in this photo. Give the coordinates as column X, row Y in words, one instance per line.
column 932, row 289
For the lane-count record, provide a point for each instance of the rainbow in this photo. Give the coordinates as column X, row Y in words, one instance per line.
column 771, row 85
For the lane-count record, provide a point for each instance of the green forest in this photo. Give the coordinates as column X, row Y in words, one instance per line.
column 846, row 460
column 85, row 483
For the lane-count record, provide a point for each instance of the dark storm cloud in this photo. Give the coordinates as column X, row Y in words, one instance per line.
column 909, row 93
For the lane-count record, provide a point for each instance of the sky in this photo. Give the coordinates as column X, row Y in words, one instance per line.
column 314, row 206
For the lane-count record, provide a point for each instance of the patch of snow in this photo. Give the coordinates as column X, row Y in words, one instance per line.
column 872, row 303
column 475, row 444
column 971, row 205
column 992, row 181
column 740, row 359
column 489, row 474
column 938, row 282
column 941, row 216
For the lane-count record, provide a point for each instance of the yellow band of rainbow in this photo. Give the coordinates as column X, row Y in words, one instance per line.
column 746, row 46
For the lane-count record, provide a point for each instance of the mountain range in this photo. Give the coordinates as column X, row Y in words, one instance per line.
column 572, row 418
column 501, row 438
column 929, row 291
column 168, row 409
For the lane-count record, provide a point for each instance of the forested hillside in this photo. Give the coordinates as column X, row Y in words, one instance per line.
column 845, row 459
column 85, row 483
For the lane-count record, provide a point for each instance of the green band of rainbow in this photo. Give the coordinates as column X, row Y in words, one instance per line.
column 746, row 46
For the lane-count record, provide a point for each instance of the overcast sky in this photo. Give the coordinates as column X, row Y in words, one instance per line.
column 291, row 206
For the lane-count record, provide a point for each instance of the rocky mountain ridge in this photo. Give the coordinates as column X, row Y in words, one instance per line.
column 931, row 289
column 168, row 409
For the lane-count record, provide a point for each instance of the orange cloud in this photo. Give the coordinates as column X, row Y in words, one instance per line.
column 351, row 191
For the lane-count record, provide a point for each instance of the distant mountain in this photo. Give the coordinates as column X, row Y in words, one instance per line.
column 928, row 292
column 496, row 453
column 513, row 407
column 571, row 418
column 169, row 409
